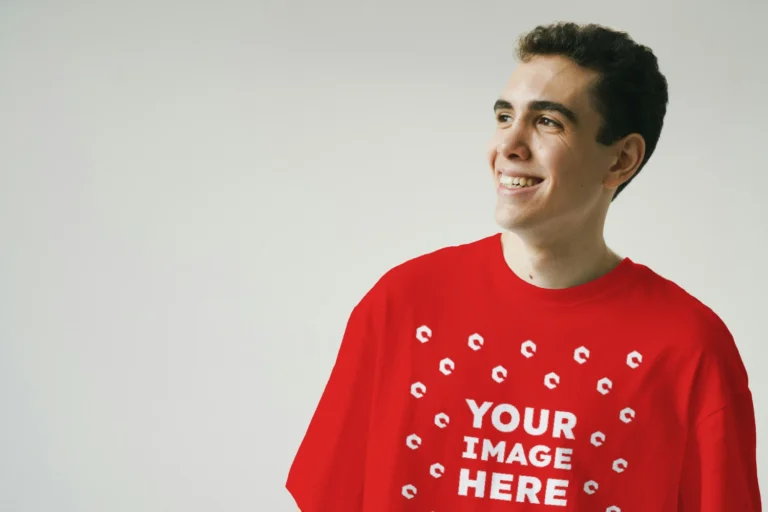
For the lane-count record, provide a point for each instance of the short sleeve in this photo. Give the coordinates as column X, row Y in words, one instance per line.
column 328, row 470
column 720, row 465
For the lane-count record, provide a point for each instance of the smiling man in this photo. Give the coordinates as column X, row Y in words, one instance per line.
column 536, row 369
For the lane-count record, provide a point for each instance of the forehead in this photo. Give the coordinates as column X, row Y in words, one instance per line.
column 551, row 78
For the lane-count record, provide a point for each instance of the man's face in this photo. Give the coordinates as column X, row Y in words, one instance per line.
column 546, row 130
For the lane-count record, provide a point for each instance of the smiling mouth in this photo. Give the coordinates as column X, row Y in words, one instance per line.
column 518, row 182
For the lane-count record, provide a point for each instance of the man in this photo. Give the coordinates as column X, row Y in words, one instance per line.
column 536, row 369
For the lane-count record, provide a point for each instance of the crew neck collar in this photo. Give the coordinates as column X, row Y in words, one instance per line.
column 597, row 288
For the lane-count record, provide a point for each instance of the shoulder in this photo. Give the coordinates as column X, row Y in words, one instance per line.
column 423, row 279
column 698, row 332
column 437, row 268
column 692, row 319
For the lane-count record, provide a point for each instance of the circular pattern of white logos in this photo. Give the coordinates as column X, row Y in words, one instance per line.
column 499, row 374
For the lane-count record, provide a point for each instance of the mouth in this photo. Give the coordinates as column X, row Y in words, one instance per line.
column 517, row 182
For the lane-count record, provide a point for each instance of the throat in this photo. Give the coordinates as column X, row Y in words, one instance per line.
column 557, row 269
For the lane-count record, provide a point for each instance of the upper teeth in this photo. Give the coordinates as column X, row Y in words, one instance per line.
column 510, row 181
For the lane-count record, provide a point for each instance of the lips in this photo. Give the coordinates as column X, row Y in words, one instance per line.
column 516, row 174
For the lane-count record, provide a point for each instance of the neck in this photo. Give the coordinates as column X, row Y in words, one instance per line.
column 558, row 263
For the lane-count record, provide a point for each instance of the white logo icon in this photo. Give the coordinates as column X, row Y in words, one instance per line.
column 423, row 334
column 499, row 374
column 413, row 441
column 619, row 465
column 528, row 348
column 436, row 470
column 604, row 385
column 409, row 491
column 590, row 487
column 442, row 420
column 581, row 355
column 475, row 342
column 418, row 389
column 447, row 366
column 627, row 415
column 551, row 380
column 598, row 438
column 634, row 359
column 613, row 509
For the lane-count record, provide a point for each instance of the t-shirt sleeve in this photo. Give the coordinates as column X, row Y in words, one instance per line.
column 328, row 470
column 719, row 471
column 720, row 468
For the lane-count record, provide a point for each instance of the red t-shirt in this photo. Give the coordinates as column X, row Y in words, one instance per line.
column 460, row 387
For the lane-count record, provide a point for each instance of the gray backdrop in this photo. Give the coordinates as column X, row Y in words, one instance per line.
column 193, row 196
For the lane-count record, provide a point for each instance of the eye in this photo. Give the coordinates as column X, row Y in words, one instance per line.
column 503, row 118
column 551, row 122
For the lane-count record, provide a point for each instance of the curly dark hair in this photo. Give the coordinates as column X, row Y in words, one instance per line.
column 631, row 94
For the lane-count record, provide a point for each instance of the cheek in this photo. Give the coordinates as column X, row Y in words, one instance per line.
column 491, row 155
column 558, row 160
column 567, row 168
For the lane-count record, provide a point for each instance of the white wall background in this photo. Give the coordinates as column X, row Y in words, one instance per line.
column 193, row 196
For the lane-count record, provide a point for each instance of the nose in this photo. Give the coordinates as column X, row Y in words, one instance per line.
column 514, row 144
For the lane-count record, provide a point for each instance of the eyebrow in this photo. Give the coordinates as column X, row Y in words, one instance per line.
column 540, row 105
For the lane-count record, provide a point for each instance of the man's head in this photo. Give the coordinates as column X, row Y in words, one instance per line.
column 580, row 116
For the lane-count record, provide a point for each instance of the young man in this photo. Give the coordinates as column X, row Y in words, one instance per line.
column 537, row 369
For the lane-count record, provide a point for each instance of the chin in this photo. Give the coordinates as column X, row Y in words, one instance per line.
column 511, row 220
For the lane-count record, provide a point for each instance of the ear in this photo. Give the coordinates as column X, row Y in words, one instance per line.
column 628, row 155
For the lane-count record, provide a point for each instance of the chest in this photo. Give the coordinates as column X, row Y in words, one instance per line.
column 487, row 409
